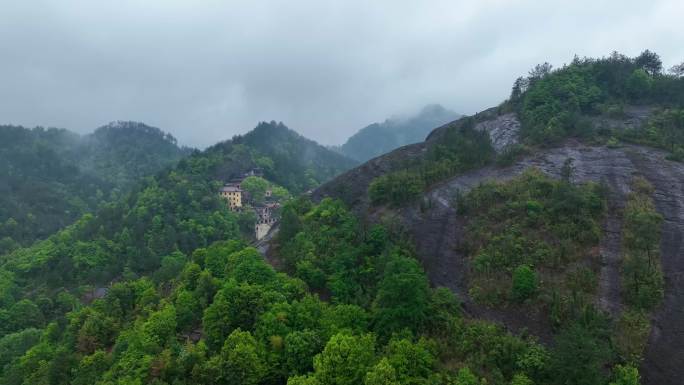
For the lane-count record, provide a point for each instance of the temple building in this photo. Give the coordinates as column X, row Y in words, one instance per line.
column 233, row 194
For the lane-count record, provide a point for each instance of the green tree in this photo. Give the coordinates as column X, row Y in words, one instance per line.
column 413, row 362
column 521, row 379
column 300, row 349
column 13, row 346
column 579, row 356
column 303, row 380
column 90, row 369
column 256, row 187
column 650, row 62
column 24, row 314
column 625, row 375
column 395, row 188
column 249, row 266
column 239, row 362
column 403, row 296
column 345, row 360
column 677, row 70
column 524, row 282
column 466, row 377
column 188, row 309
column 382, row 374
column 639, row 84
column 235, row 306
column 171, row 265
column 161, row 325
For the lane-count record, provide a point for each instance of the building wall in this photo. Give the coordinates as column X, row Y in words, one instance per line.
column 234, row 198
column 261, row 229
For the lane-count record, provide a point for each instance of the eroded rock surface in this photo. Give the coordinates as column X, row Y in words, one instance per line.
column 438, row 230
column 664, row 357
column 503, row 130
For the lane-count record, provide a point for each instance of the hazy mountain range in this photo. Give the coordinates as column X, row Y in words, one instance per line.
column 379, row 138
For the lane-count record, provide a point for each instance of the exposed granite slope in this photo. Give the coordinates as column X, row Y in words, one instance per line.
column 438, row 230
column 664, row 357
column 503, row 130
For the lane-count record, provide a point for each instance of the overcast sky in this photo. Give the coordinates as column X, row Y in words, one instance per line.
column 207, row 70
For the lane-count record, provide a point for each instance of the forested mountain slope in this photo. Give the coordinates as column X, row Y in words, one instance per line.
column 159, row 287
column 293, row 154
column 380, row 138
column 50, row 177
column 563, row 219
column 171, row 280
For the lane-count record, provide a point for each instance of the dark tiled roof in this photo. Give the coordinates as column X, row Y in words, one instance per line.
column 230, row 189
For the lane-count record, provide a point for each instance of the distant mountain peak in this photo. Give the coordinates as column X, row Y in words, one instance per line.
column 119, row 127
column 123, row 124
column 379, row 138
column 435, row 108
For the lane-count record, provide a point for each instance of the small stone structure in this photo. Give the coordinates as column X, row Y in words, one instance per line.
column 262, row 227
column 265, row 219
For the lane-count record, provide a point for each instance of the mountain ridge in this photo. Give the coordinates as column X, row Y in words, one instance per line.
column 379, row 138
column 52, row 176
column 610, row 129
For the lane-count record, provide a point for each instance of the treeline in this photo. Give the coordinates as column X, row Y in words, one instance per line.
column 291, row 160
column 51, row 177
column 664, row 129
column 555, row 104
column 552, row 105
column 460, row 148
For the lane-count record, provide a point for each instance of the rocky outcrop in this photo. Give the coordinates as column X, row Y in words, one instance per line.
column 503, row 130
column 664, row 358
column 352, row 185
column 437, row 231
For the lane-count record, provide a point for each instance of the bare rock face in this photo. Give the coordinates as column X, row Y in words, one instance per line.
column 351, row 186
column 437, row 232
column 503, row 130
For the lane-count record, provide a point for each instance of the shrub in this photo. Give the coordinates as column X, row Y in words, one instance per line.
column 524, row 283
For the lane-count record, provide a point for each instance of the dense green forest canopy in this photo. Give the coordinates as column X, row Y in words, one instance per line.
column 555, row 104
column 221, row 315
column 287, row 158
column 158, row 285
column 163, row 217
column 53, row 176
column 50, row 177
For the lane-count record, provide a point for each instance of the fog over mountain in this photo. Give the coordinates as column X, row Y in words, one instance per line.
column 205, row 71
column 379, row 138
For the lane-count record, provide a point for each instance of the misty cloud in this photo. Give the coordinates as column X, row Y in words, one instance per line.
column 207, row 70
